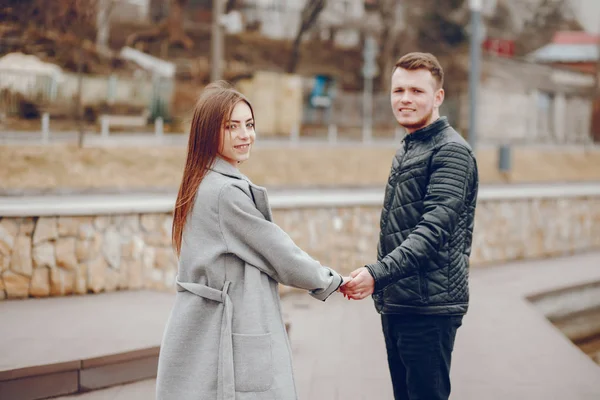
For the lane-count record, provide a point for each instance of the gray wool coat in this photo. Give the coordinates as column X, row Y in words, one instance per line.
column 225, row 338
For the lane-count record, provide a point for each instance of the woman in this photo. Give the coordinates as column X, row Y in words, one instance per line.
column 225, row 338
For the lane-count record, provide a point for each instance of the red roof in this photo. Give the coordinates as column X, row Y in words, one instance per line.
column 574, row 37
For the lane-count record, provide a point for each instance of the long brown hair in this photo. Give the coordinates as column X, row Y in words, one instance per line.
column 212, row 111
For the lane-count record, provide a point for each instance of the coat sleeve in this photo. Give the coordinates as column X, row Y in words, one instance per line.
column 452, row 168
column 264, row 245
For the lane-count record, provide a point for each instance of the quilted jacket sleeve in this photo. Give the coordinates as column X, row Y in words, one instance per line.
column 452, row 167
column 266, row 246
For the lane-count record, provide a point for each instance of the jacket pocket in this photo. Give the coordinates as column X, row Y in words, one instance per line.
column 252, row 362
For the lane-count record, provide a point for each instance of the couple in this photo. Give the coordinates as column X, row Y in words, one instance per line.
column 225, row 338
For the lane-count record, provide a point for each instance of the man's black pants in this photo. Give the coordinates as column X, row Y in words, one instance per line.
column 419, row 349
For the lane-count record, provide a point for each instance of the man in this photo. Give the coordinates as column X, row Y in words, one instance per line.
column 419, row 282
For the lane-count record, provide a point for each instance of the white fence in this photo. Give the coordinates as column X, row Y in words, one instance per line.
column 46, row 89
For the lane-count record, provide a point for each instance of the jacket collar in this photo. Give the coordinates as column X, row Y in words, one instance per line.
column 425, row 133
column 224, row 168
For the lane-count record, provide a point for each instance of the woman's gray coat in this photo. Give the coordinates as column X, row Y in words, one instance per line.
column 225, row 338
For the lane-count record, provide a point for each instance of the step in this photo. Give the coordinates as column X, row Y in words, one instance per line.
column 59, row 346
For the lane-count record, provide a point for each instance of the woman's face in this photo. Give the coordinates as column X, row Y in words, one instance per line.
column 237, row 135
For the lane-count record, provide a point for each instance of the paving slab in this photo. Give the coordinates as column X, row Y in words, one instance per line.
column 506, row 348
column 46, row 331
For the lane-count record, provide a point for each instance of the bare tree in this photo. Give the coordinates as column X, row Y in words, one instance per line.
column 393, row 27
column 69, row 24
column 546, row 17
column 419, row 25
column 171, row 28
column 311, row 11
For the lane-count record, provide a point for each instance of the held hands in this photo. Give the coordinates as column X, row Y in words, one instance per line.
column 360, row 285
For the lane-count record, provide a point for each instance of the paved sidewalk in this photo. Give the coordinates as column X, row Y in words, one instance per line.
column 505, row 350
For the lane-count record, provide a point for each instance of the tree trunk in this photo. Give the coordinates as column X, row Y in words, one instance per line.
column 309, row 15
column 175, row 25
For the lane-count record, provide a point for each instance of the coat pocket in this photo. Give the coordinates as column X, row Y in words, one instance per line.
column 252, row 362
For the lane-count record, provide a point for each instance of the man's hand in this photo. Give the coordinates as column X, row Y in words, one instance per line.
column 361, row 285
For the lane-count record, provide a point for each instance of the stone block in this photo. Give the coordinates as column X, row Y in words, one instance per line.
column 123, row 277
column 10, row 225
column 26, row 226
column 165, row 258
column 44, row 255
column 86, row 230
column 82, row 250
column 102, row 222
column 169, row 279
column 112, row 280
column 4, row 262
column 40, row 282
column 2, row 289
column 21, row 261
column 69, row 226
column 86, row 249
column 151, row 222
column 7, row 240
column 153, row 279
column 148, row 256
column 81, row 279
column 65, row 253
column 111, row 248
column 45, row 229
column 97, row 275
column 61, row 282
column 16, row 285
column 156, row 239
column 132, row 248
column 130, row 225
column 135, row 275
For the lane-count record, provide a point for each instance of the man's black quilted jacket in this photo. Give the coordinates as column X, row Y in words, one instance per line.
column 427, row 225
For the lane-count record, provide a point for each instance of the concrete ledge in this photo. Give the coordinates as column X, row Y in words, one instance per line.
column 568, row 301
column 118, row 373
column 40, row 386
column 79, row 205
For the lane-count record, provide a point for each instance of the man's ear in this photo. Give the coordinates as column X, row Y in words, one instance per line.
column 439, row 97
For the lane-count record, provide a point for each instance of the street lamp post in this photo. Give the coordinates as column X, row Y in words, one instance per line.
column 217, row 41
column 474, row 72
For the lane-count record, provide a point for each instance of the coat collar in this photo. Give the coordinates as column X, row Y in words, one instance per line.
column 224, row 168
column 259, row 194
column 430, row 130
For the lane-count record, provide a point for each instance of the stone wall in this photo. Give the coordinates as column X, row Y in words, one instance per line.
column 54, row 256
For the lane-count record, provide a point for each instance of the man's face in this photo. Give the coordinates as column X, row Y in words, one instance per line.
column 415, row 98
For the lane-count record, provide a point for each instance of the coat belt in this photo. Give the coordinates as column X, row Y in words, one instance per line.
column 225, row 380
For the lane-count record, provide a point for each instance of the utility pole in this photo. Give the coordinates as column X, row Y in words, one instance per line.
column 217, row 41
column 474, row 72
column 369, row 72
column 103, row 24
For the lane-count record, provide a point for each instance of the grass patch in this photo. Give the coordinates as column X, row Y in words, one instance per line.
column 59, row 168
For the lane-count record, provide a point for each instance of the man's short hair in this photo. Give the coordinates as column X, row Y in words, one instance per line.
column 416, row 60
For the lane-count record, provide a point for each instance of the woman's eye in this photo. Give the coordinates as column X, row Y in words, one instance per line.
column 250, row 125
